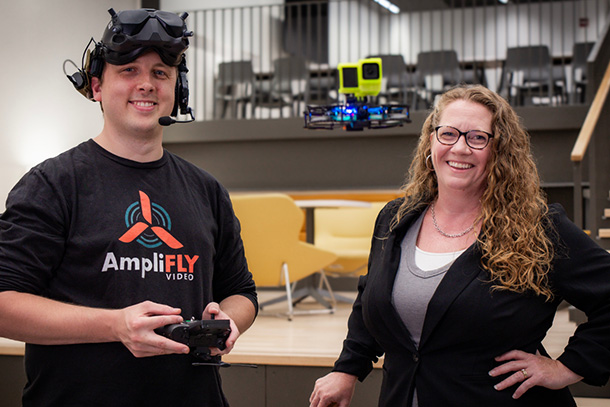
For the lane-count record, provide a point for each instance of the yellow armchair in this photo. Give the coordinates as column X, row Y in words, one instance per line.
column 347, row 232
column 270, row 227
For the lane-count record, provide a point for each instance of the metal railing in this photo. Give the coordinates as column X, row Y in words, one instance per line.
column 236, row 53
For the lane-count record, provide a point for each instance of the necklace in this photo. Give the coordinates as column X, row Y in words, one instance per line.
column 439, row 230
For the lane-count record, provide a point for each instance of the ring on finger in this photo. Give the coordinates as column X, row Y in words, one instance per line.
column 524, row 372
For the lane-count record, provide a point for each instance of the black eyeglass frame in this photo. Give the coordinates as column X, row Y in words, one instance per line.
column 465, row 134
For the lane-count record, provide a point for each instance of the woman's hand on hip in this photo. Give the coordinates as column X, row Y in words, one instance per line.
column 532, row 370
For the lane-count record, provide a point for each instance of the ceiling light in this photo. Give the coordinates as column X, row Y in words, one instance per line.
column 389, row 5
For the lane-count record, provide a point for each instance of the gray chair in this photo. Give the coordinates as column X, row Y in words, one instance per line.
column 529, row 73
column 289, row 85
column 235, row 84
column 443, row 64
column 322, row 87
column 580, row 53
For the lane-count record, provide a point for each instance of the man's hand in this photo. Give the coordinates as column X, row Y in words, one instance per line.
column 135, row 327
column 213, row 311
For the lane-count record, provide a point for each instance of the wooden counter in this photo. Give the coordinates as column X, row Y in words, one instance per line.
column 11, row 348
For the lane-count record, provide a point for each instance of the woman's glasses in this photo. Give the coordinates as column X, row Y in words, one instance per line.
column 477, row 139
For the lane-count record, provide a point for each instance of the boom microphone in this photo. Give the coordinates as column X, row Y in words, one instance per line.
column 167, row 120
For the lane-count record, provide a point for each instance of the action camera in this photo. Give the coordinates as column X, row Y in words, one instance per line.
column 360, row 79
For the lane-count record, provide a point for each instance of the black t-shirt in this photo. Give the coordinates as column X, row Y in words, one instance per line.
column 93, row 229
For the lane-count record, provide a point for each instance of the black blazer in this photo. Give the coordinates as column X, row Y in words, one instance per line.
column 467, row 324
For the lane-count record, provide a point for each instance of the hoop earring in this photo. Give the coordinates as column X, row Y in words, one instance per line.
column 429, row 158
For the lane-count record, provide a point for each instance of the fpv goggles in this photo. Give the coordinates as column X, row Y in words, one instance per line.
column 131, row 32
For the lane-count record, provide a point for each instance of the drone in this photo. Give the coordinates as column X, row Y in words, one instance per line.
column 358, row 81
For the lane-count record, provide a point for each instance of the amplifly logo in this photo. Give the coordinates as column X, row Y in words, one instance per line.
column 139, row 218
column 150, row 225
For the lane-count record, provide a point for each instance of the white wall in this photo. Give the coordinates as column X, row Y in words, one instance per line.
column 42, row 114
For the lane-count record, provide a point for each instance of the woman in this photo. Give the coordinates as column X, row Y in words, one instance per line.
column 466, row 273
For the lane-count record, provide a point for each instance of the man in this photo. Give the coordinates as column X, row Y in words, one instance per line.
column 117, row 237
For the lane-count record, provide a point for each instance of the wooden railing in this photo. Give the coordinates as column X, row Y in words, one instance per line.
column 582, row 142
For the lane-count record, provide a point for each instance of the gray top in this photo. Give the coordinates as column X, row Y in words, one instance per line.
column 415, row 282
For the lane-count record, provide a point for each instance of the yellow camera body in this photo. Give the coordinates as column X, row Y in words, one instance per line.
column 369, row 74
column 348, row 78
column 362, row 78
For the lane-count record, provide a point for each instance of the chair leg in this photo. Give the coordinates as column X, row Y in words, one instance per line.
column 334, row 298
column 288, row 291
column 293, row 296
column 324, row 282
column 287, row 297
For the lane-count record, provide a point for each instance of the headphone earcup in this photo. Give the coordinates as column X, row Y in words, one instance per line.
column 176, row 98
column 95, row 61
column 182, row 90
column 96, row 66
column 93, row 68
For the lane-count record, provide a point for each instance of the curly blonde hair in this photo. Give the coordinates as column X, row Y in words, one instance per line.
column 517, row 250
